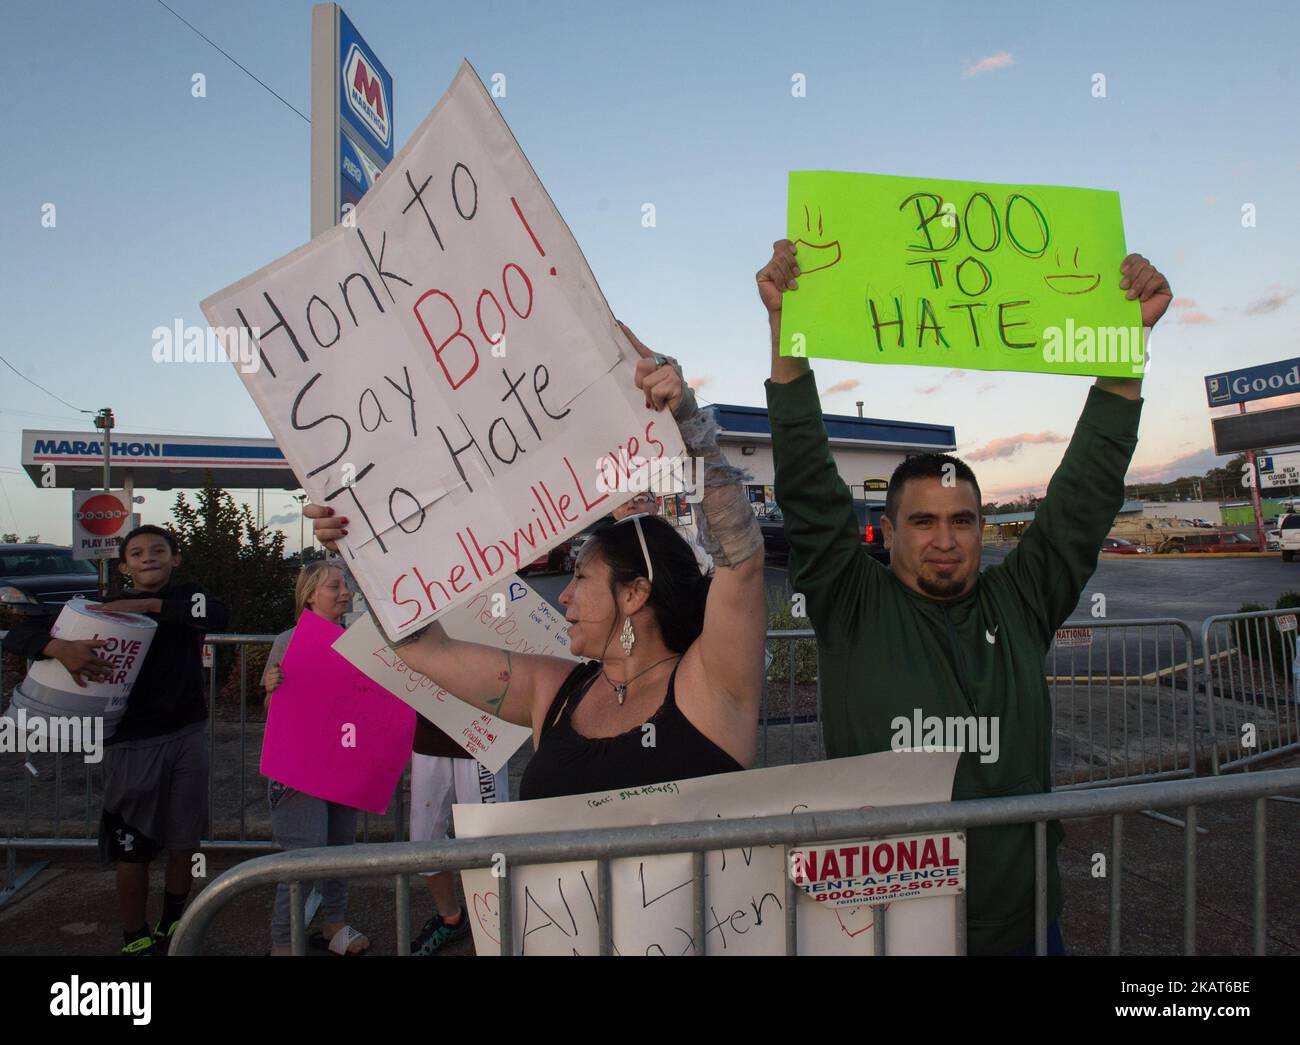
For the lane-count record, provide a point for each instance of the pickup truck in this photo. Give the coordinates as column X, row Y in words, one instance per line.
column 775, row 545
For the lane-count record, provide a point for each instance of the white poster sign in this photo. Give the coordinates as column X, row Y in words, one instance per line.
column 100, row 519
column 1281, row 470
column 510, row 616
column 444, row 371
column 555, row 908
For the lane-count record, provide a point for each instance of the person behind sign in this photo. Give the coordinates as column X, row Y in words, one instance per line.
column 300, row 820
column 156, row 762
column 934, row 633
column 671, row 690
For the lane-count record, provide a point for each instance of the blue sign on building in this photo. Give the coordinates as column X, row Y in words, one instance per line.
column 1255, row 382
column 366, row 93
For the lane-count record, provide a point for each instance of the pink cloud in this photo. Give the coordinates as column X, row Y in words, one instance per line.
column 848, row 384
column 952, row 375
column 700, row 382
column 1195, row 317
column 1010, row 445
column 1011, row 493
column 989, row 63
column 1270, row 303
column 1183, row 303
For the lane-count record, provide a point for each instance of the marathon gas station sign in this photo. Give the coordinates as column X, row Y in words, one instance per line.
column 63, row 460
column 352, row 117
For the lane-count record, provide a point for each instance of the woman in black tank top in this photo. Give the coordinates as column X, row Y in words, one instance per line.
column 668, row 691
column 567, row 763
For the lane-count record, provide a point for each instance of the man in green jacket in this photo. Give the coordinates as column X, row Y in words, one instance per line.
column 932, row 635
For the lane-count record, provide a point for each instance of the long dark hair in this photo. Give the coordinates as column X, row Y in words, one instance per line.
column 677, row 593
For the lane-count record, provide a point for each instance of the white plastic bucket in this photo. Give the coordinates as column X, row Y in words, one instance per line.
column 49, row 691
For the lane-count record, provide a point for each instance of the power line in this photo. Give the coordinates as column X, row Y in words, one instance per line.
column 236, row 63
column 44, row 389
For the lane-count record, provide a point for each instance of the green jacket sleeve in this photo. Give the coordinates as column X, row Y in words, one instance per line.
column 1059, row 551
column 828, row 564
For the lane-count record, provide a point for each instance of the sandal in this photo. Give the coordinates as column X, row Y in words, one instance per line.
column 341, row 943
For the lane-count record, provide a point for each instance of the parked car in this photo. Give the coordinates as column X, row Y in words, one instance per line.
column 1201, row 543
column 869, row 513
column 34, row 576
column 1273, row 538
column 578, row 540
column 1289, row 535
column 1119, row 546
column 556, row 560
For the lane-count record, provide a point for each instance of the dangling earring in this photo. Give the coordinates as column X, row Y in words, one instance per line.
column 627, row 637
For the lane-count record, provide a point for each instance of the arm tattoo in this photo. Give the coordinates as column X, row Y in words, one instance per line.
column 503, row 677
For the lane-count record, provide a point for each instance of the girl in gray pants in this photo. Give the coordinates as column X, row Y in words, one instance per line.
column 302, row 821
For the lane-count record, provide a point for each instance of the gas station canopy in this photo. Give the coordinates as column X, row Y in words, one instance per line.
column 155, row 462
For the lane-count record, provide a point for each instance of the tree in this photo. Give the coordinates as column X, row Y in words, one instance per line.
column 9, row 538
column 223, row 549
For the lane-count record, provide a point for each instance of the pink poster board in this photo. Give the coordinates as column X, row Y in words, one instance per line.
column 331, row 732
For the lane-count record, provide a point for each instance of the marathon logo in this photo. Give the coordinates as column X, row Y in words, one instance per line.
column 94, row 448
column 364, row 90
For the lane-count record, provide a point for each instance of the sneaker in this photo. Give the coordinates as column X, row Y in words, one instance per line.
column 164, row 939
column 142, row 946
column 437, row 933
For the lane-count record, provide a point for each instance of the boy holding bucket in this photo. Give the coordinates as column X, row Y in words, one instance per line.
column 156, row 762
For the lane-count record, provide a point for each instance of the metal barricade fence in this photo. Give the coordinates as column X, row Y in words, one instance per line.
column 800, row 719
column 1124, row 684
column 604, row 845
column 1251, row 693
column 1124, row 702
column 61, row 792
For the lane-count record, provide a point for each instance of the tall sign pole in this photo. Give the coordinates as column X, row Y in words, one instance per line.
column 352, row 128
column 1254, row 492
column 104, row 422
column 1268, row 428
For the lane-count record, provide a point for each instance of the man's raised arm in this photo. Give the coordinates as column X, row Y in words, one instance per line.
column 828, row 564
column 1059, row 552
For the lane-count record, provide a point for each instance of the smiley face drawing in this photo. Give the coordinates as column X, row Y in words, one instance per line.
column 816, row 256
column 1073, row 282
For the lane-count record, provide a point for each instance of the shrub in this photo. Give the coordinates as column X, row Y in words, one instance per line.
column 780, row 616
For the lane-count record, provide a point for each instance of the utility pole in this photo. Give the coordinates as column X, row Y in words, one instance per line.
column 104, row 422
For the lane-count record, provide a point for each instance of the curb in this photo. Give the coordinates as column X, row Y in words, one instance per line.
column 1199, row 555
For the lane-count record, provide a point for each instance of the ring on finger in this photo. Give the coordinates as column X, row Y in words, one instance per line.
column 659, row 360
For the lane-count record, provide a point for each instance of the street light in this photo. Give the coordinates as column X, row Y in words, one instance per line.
column 301, row 498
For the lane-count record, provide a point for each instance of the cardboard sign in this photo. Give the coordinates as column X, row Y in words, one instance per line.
column 555, row 910
column 511, row 616
column 1286, row 622
column 444, row 371
column 965, row 274
column 879, row 871
column 330, row 731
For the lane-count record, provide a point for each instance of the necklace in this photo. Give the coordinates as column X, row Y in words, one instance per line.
column 620, row 688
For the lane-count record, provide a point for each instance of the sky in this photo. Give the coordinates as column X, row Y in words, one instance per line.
column 163, row 198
